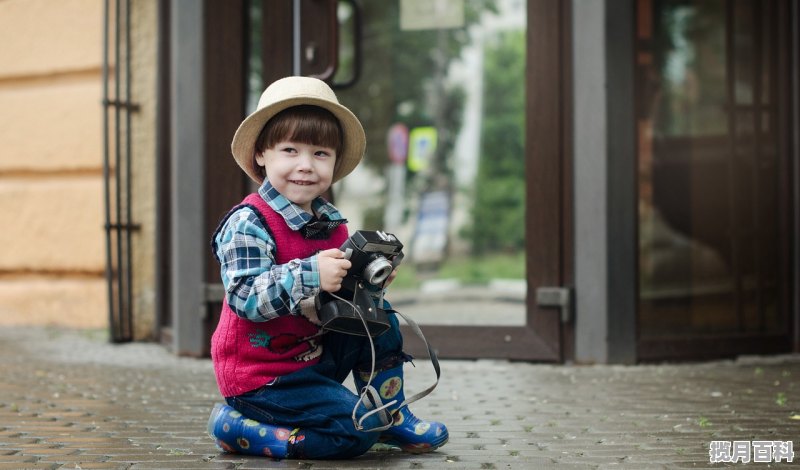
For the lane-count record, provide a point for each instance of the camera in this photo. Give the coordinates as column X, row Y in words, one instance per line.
column 374, row 255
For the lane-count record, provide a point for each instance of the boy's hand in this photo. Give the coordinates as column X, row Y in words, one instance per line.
column 332, row 269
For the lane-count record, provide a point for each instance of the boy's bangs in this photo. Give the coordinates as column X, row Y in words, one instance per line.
column 310, row 125
column 322, row 132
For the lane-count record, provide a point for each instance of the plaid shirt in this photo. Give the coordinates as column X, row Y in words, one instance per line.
column 256, row 287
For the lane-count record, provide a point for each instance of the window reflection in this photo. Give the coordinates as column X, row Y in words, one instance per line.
column 709, row 168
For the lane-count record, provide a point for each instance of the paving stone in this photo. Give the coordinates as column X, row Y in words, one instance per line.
column 16, row 457
column 78, row 402
column 44, row 451
column 86, row 465
column 29, row 466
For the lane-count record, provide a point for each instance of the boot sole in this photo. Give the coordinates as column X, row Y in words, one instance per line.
column 422, row 448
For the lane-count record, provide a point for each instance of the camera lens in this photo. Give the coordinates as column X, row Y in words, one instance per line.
column 377, row 271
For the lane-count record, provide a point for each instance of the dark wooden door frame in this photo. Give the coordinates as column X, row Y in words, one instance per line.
column 548, row 223
column 794, row 126
column 225, row 97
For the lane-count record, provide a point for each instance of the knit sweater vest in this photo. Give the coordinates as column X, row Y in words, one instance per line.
column 248, row 355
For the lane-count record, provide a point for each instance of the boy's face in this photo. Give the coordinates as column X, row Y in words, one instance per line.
column 300, row 172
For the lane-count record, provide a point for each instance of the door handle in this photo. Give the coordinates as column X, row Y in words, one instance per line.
column 316, row 42
column 355, row 42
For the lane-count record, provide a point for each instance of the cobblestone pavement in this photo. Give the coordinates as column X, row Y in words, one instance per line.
column 71, row 400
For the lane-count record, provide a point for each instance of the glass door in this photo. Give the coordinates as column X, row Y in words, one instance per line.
column 440, row 88
column 714, row 178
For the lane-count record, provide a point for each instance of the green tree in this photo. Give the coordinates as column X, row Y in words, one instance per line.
column 402, row 79
column 499, row 210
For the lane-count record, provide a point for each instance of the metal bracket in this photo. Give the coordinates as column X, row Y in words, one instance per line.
column 560, row 297
column 213, row 292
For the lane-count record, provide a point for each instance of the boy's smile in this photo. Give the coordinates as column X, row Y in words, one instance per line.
column 300, row 172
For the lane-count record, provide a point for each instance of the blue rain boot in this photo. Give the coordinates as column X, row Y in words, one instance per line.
column 236, row 434
column 408, row 432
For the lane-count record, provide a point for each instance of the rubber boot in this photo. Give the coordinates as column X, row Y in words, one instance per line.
column 236, row 434
column 407, row 432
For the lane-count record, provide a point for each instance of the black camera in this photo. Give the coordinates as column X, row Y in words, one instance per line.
column 374, row 255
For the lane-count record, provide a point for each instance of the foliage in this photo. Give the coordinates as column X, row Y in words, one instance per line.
column 499, row 210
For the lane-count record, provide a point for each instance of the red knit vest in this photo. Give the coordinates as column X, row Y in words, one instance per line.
column 247, row 355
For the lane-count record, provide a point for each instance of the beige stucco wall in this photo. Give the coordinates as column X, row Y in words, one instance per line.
column 52, row 247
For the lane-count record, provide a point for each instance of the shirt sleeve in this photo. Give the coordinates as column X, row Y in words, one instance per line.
column 257, row 288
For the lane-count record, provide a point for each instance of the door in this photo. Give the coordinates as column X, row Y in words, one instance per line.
column 451, row 96
column 714, row 178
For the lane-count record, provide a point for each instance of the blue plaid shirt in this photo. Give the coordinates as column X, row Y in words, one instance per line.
column 256, row 287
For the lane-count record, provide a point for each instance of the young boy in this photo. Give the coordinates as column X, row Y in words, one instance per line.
column 281, row 378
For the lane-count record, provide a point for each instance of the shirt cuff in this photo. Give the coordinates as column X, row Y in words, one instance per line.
column 309, row 274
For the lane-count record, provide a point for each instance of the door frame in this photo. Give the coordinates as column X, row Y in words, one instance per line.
column 548, row 184
column 548, row 153
column 548, row 217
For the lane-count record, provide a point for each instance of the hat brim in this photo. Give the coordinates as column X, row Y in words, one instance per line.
column 354, row 140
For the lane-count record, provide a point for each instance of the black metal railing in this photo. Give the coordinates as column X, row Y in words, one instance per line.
column 117, row 109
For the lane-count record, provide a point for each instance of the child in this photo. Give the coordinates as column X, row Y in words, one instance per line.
column 281, row 378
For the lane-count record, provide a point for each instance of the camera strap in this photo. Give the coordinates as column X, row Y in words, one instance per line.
column 370, row 397
column 431, row 354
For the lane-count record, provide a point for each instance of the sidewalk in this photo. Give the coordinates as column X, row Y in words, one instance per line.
column 70, row 400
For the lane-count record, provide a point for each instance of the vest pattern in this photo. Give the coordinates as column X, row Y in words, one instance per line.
column 248, row 355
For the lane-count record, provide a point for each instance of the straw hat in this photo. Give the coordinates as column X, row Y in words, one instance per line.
column 295, row 91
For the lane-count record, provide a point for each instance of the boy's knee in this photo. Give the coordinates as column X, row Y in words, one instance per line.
column 361, row 443
column 343, row 445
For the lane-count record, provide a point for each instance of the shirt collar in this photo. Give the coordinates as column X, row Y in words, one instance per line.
column 295, row 217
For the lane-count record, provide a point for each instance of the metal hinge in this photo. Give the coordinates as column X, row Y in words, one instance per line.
column 560, row 297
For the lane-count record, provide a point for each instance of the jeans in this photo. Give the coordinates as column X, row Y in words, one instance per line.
column 314, row 400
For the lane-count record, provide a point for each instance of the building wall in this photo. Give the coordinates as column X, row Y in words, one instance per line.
column 52, row 260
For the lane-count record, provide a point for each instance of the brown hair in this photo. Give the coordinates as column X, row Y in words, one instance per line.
column 306, row 124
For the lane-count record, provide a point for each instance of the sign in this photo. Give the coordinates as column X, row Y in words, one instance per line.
column 397, row 143
column 421, row 147
column 431, row 14
column 430, row 235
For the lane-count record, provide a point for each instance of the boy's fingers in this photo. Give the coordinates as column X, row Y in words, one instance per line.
column 332, row 253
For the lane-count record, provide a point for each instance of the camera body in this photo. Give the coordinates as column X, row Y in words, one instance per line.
column 374, row 255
